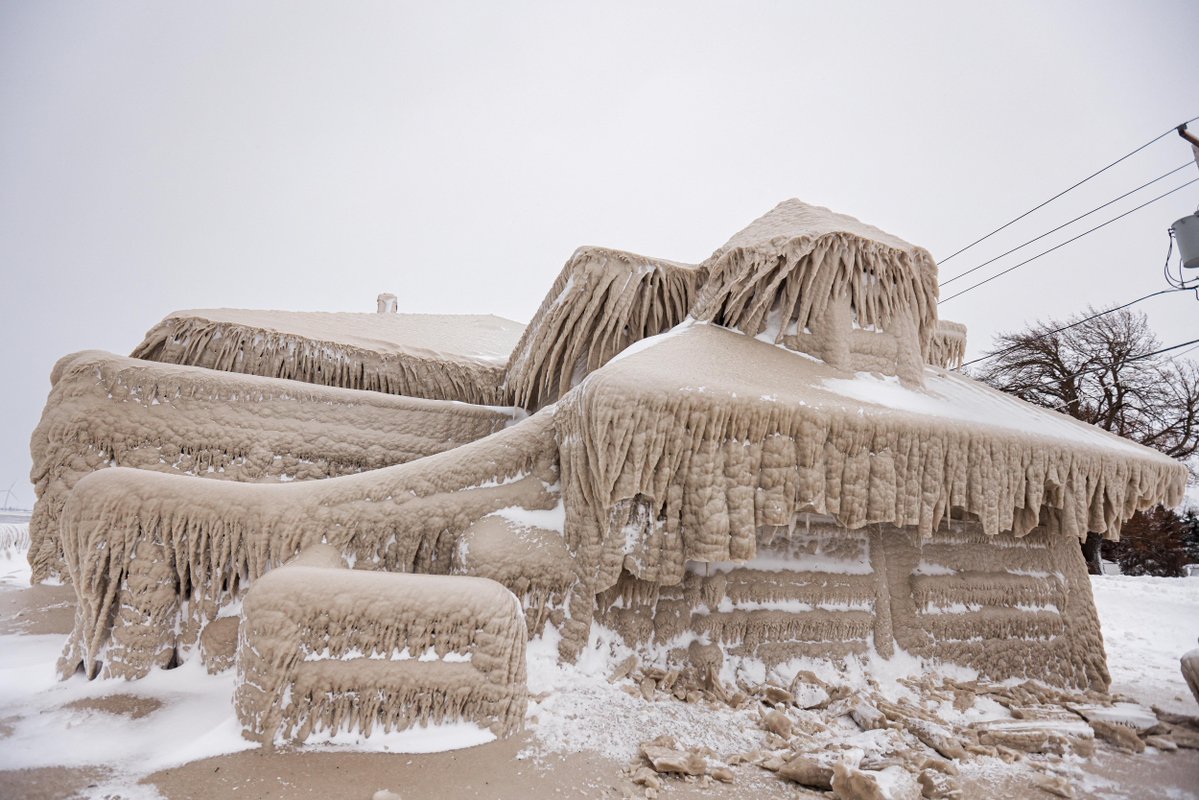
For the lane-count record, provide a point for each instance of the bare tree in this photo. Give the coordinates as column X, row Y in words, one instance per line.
column 1103, row 371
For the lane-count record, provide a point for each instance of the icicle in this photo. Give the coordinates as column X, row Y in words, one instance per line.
column 330, row 649
column 106, row 410
column 192, row 339
column 602, row 302
column 216, row 534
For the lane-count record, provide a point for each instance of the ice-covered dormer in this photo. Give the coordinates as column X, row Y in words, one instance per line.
column 827, row 285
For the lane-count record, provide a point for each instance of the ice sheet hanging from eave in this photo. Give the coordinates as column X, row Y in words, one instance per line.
column 710, row 359
column 444, row 357
column 799, row 258
column 602, row 301
column 695, row 421
column 947, row 349
column 480, row 338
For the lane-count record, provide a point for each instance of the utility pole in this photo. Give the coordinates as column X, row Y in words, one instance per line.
column 1182, row 131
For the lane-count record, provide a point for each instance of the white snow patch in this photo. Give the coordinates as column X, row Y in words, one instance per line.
column 574, row 707
column 1148, row 623
column 930, row 568
column 436, row 738
column 553, row 519
column 798, row 562
column 950, row 396
column 45, row 733
column 650, row 341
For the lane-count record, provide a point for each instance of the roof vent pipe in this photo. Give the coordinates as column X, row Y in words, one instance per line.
column 389, row 305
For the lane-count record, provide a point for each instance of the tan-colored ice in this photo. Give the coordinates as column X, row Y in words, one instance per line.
column 829, row 285
column 780, row 472
column 1189, row 663
column 696, row 446
column 325, row 649
column 106, row 410
column 531, row 561
column 440, row 357
column 1008, row 607
column 602, row 302
column 154, row 557
column 709, row 435
column 948, row 347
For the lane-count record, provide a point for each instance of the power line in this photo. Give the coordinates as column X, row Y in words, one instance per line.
column 1068, row 241
column 1184, row 352
column 1163, row 350
column 1182, row 166
column 1064, row 191
column 1073, row 324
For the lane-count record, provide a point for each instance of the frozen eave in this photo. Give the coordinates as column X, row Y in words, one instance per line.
column 794, row 218
column 442, row 357
column 822, row 272
column 478, row 338
column 730, row 434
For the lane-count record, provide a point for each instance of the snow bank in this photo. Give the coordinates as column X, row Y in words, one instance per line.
column 1148, row 623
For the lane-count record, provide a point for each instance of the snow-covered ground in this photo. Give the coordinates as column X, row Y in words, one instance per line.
column 1147, row 624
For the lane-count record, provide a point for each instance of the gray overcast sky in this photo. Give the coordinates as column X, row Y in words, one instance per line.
column 157, row 156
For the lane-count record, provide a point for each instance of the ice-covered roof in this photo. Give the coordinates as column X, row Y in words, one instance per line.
column 805, row 268
column 437, row 356
column 722, row 433
column 794, row 218
column 482, row 338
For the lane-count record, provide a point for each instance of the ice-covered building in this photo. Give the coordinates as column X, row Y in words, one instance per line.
column 764, row 452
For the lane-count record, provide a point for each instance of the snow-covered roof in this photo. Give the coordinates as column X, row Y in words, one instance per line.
column 724, row 433
column 794, row 218
column 437, row 356
column 480, row 338
column 804, row 268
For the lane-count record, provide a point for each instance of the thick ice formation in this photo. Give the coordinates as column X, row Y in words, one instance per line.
column 530, row 559
column 602, row 302
column 1001, row 605
column 828, row 285
column 201, row 543
column 324, row 649
column 419, row 355
column 696, row 448
column 948, row 347
column 106, row 410
column 750, row 453
column 719, row 435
